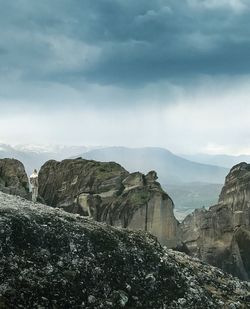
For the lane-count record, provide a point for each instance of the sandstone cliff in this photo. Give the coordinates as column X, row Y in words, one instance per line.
column 13, row 178
column 53, row 259
column 221, row 235
column 108, row 193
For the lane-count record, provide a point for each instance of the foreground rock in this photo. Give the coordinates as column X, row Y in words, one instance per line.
column 221, row 235
column 52, row 259
column 108, row 193
column 13, row 178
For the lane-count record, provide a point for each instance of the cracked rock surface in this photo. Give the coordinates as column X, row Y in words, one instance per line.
column 53, row 259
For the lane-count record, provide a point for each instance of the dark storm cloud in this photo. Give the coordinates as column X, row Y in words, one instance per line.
column 123, row 42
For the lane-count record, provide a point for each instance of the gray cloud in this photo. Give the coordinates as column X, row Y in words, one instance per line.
column 128, row 43
column 97, row 71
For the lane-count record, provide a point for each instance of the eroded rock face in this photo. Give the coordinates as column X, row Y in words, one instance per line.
column 221, row 235
column 13, row 178
column 108, row 193
column 53, row 259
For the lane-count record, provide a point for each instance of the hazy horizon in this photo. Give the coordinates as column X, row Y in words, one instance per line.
column 164, row 74
column 89, row 147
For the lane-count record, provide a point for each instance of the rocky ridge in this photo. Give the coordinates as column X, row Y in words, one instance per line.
column 13, row 178
column 221, row 235
column 53, row 259
column 108, row 193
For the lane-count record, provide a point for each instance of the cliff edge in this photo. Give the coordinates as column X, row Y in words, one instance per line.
column 106, row 192
column 221, row 235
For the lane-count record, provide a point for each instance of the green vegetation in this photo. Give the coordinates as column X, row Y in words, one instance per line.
column 140, row 197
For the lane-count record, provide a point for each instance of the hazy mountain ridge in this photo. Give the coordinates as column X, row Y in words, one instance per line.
column 218, row 160
column 170, row 168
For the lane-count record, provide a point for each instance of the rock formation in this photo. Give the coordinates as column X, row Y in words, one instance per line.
column 221, row 235
column 13, row 178
column 53, row 259
column 108, row 193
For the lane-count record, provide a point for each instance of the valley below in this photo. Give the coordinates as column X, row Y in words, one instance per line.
column 190, row 196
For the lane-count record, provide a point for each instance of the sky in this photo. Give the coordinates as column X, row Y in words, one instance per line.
column 165, row 73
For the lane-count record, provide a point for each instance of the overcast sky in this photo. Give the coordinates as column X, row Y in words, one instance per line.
column 168, row 73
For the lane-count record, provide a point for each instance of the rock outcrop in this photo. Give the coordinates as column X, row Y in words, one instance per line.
column 221, row 235
column 53, row 259
column 108, row 193
column 13, row 178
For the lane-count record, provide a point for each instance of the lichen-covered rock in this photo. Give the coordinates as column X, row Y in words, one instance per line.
column 13, row 178
column 221, row 235
column 53, row 259
column 108, row 193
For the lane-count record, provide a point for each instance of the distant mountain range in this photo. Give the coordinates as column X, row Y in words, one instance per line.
column 218, row 160
column 170, row 168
